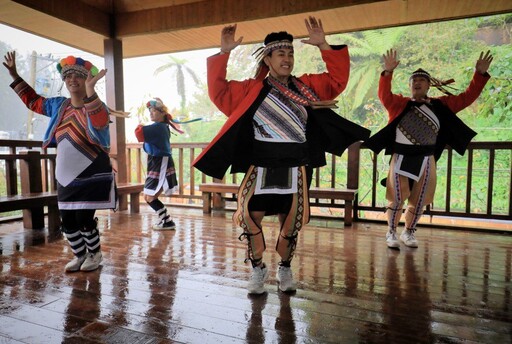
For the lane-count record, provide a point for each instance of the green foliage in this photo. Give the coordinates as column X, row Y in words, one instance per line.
column 366, row 49
column 445, row 49
column 497, row 102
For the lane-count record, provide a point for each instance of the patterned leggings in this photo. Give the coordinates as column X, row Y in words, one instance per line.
column 296, row 218
column 419, row 195
column 80, row 228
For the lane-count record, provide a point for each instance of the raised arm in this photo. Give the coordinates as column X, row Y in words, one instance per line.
column 227, row 39
column 394, row 103
column 483, row 62
column 390, row 61
column 10, row 64
column 90, row 82
column 316, row 34
column 480, row 78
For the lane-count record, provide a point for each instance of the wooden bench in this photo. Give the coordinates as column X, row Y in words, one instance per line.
column 348, row 195
column 134, row 190
column 32, row 205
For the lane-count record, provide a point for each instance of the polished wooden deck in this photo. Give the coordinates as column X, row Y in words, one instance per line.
column 188, row 286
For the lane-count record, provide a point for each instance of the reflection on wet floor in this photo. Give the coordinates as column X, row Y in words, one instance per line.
column 188, row 286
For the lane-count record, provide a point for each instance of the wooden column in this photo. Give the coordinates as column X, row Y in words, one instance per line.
column 115, row 100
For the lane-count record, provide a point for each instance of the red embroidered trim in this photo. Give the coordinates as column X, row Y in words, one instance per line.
column 305, row 96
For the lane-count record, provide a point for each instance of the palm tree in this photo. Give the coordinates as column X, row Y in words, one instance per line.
column 178, row 69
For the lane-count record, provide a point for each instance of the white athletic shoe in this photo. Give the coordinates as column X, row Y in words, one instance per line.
column 256, row 284
column 391, row 239
column 92, row 262
column 75, row 264
column 408, row 238
column 285, row 279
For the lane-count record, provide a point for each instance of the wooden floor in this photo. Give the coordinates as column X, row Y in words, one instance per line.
column 188, row 286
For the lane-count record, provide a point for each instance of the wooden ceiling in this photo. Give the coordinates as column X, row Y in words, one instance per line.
column 149, row 27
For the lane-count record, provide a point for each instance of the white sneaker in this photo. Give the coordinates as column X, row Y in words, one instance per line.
column 285, row 278
column 75, row 264
column 92, row 262
column 408, row 238
column 391, row 239
column 256, row 284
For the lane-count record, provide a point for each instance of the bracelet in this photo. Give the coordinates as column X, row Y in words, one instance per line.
column 389, row 71
column 224, row 51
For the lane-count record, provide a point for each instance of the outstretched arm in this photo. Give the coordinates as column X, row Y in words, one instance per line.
column 28, row 96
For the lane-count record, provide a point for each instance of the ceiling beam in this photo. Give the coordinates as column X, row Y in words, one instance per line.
column 217, row 12
column 74, row 12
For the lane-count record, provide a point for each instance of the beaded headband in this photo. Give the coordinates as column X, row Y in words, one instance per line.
column 76, row 65
column 421, row 73
column 441, row 85
column 270, row 47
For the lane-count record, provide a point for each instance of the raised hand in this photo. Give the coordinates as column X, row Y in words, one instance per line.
column 227, row 39
column 91, row 81
column 10, row 64
column 483, row 62
column 390, row 61
column 316, row 33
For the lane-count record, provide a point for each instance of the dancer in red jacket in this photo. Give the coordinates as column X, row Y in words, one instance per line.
column 418, row 130
column 278, row 129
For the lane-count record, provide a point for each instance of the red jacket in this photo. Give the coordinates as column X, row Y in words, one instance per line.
column 396, row 103
column 235, row 98
column 453, row 131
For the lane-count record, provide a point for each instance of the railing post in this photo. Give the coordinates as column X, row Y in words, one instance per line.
column 31, row 181
column 11, row 176
column 353, row 165
column 354, row 155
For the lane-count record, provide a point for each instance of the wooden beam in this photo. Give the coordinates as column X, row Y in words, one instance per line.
column 217, row 12
column 115, row 100
column 74, row 12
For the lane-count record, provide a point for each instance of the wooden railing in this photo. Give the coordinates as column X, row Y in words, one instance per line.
column 477, row 185
column 18, row 158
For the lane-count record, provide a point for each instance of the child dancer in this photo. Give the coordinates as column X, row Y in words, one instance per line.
column 161, row 174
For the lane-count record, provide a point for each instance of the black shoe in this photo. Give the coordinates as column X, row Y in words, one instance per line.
column 165, row 226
